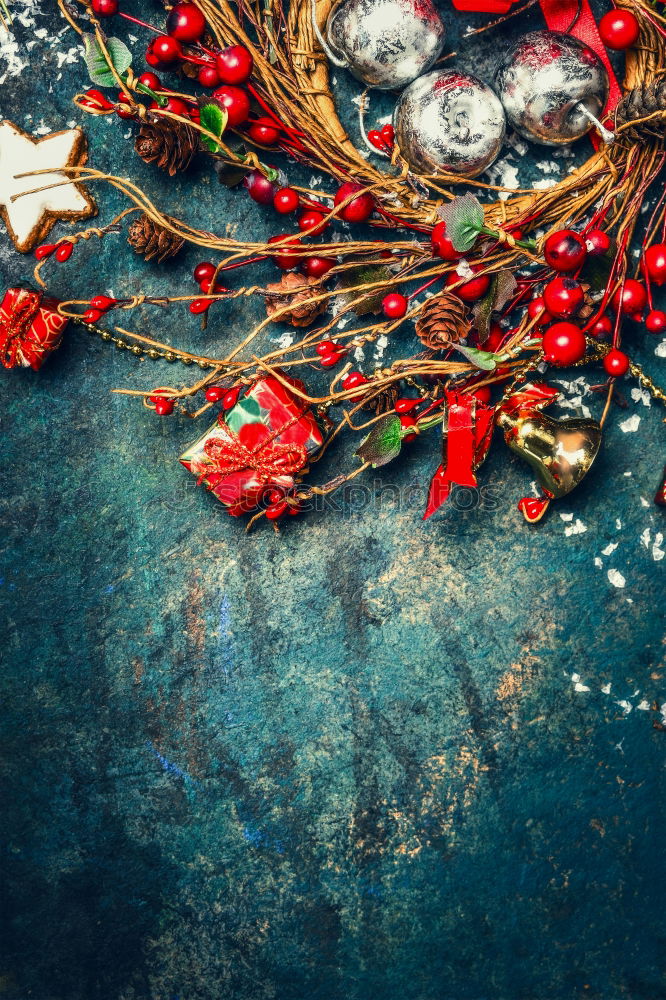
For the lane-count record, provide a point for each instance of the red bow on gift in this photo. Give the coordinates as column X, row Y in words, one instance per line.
column 227, row 454
column 30, row 327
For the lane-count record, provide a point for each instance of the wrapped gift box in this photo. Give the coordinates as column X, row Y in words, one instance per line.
column 261, row 443
column 30, row 328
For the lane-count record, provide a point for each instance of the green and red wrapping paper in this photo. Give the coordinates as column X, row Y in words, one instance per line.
column 262, row 443
column 30, row 328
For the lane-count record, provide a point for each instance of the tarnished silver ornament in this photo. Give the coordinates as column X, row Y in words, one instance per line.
column 385, row 43
column 553, row 87
column 452, row 121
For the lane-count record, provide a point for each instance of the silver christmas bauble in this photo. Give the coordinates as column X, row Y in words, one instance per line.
column 450, row 121
column 386, row 43
column 547, row 82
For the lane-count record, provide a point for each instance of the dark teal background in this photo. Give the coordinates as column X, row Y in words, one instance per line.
column 346, row 763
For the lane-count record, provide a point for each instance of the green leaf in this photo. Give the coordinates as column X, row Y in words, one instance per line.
column 480, row 359
column 464, row 220
column 363, row 275
column 214, row 119
column 99, row 67
column 501, row 290
column 383, row 443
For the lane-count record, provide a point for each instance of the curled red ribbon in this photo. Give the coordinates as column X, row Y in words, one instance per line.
column 227, row 454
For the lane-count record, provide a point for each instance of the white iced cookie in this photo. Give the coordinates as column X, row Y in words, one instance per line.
column 30, row 218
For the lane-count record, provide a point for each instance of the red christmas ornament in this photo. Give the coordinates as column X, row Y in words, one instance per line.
column 286, row 200
column 186, row 22
column 236, row 103
column 394, row 305
column 563, row 297
column 442, row 245
column 616, row 363
column 234, row 65
column 565, row 251
column 358, row 210
column 30, row 328
column 564, row 344
column 655, row 262
column 630, row 299
column 619, row 29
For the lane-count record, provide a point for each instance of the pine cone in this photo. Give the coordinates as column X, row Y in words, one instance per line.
column 640, row 103
column 443, row 321
column 169, row 144
column 302, row 289
column 152, row 240
column 383, row 401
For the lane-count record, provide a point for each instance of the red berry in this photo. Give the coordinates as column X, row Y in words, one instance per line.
column 64, row 251
column 601, row 328
column 104, row 8
column 616, row 363
column 276, row 510
column 165, row 49
column 234, row 65
column 310, row 221
column 442, row 245
column 563, row 297
column 537, row 308
column 407, row 404
column 285, row 260
column 230, row 398
column 495, row 338
column 200, row 305
column 630, row 299
column 214, row 393
column 152, row 59
column 407, row 420
column 565, row 251
column 353, row 380
column 483, row 394
column 208, row 76
column 102, row 302
column 163, row 407
column 45, row 250
column 656, row 321
column 317, row 267
column 286, row 200
column 204, row 271
column 329, row 360
column 597, row 242
column 92, row 315
column 394, row 305
column 208, row 288
column 176, row 106
column 259, row 188
column 619, row 29
column 325, row 347
column 655, row 262
column 236, row 103
column 150, row 80
column 124, row 112
column 185, row 22
column 358, row 210
column 387, row 133
column 517, row 234
column 376, row 139
column 267, row 135
column 563, row 344
column 472, row 290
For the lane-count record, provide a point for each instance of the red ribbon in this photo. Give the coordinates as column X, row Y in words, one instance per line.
column 467, row 428
column 560, row 15
column 16, row 327
column 227, row 454
column 484, row 6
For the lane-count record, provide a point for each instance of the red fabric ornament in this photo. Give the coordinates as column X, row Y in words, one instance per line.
column 30, row 328
column 484, row 6
column 468, row 428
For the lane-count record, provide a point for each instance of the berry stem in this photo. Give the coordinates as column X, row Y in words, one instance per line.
column 142, row 24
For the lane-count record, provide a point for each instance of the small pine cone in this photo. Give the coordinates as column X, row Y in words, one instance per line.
column 642, row 102
column 301, row 289
column 443, row 321
column 383, row 401
column 169, row 144
column 151, row 240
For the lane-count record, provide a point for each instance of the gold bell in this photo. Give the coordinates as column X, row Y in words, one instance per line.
column 560, row 451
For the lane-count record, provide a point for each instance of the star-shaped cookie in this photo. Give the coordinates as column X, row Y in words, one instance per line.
column 29, row 219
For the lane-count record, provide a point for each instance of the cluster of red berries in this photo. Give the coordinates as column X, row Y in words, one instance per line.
column 330, row 353
column 382, row 139
column 62, row 250
column 99, row 305
column 203, row 275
